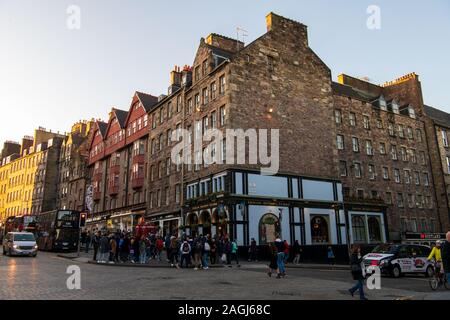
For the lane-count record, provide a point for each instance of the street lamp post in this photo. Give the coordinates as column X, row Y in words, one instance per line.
column 347, row 226
column 79, row 239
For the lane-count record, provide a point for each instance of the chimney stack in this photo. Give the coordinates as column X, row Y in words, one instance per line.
column 186, row 76
column 175, row 80
column 287, row 27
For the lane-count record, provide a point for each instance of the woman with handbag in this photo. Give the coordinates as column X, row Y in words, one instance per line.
column 357, row 272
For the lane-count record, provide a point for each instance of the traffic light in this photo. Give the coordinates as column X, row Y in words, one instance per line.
column 83, row 219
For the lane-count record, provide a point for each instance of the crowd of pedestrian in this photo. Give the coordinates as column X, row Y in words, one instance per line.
column 199, row 252
column 122, row 246
column 182, row 252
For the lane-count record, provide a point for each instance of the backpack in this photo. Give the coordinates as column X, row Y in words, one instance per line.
column 185, row 248
column 207, row 246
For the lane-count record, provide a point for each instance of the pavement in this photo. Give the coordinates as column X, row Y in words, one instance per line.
column 46, row 277
column 87, row 258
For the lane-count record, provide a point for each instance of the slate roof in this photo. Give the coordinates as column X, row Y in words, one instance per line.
column 349, row 91
column 439, row 116
column 102, row 126
column 121, row 117
column 148, row 101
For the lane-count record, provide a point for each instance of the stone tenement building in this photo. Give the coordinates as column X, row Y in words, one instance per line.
column 28, row 181
column 352, row 139
column 9, row 148
column 73, row 170
column 383, row 157
column 438, row 128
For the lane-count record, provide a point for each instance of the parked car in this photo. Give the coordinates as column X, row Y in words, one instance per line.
column 20, row 244
column 398, row 259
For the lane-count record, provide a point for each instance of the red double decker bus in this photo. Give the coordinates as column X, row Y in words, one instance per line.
column 24, row 223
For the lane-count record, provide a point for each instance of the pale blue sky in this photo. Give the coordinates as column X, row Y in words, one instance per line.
column 51, row 76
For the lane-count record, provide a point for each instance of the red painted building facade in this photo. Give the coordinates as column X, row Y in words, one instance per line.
column 117, row 163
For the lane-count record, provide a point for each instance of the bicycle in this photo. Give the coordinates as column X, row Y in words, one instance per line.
column 439, row 279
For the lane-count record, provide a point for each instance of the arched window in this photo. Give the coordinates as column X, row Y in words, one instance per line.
column 205, row 222
column 374, row 229
column 359, row 229
column 192, row 220
column 269, row 228
column 319, row 230
column 192, row 224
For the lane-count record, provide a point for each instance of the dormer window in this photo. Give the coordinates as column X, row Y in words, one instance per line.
column 395, row 107
column 382, row 103
column 411, row 112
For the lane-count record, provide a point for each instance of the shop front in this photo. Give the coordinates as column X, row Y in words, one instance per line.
column 97, row 223
column 166, row 224
column 212, row 220
column 124, row 221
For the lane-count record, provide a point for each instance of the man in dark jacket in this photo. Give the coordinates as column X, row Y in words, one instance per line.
column 167, row 246
column 445, row 252
column 252, row 251
column 357, row 272
column 104, row 249
column 96, row 243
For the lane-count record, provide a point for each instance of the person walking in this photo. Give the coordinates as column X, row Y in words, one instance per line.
column 167, row 246
column 117, row 239
column 330, row 256
column 280, row 255
column 296, row 250
column 88, row 242
column 206, row 249
column 142, row 250
column 104, row 249
column 253, row 251
column 357, row 272
column 112, row 249
column 445, row 254
column 227, row 250
column 125, row 248
column 213, row 253
column 286, row 251
column 96, row 243
column 136, row 249
column 185, row 254
column 234, row 253
column 159, row 248
column 173, row 251
column 273, row 264
column 197, row 253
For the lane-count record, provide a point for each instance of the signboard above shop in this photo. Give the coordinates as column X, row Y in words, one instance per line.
column 424, row 236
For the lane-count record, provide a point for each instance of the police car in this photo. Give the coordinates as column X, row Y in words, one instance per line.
column 398, row 259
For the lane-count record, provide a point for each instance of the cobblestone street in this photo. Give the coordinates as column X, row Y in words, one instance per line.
column 45, row 278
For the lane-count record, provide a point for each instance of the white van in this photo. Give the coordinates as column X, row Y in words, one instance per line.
column 20, row 244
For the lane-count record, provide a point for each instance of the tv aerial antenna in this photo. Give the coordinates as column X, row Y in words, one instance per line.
column 241, row 34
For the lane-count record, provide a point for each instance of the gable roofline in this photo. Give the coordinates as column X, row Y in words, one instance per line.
column 147, row 101
column 101, row 127
column 120, row 115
